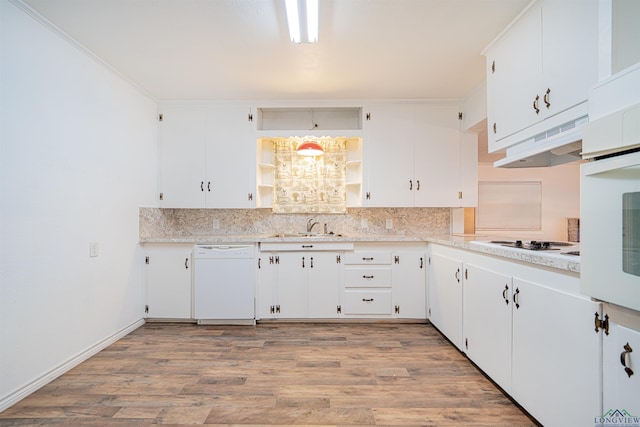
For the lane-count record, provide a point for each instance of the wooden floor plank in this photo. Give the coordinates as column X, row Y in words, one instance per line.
column 272, row 374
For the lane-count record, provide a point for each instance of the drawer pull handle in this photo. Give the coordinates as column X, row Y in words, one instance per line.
column 623, row 358
column 367, row 259
column 306, row 246
column 367, row 299
column 367, row 277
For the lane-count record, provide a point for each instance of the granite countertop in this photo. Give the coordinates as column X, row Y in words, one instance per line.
column 471, row 243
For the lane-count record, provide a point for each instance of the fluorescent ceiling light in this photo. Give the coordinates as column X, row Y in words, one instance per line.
column 302, row 17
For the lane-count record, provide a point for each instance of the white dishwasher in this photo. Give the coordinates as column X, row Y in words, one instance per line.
column 224, row 284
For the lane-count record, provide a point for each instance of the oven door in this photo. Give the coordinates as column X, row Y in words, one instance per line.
column 610, row 230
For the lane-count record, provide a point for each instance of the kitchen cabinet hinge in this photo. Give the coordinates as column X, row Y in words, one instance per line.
column 466, row 273
column 396, row 259
column 429, row 311
column 250, row 117
column 339, row 309
column 161, row 196
column 146, row 309
column 460, row 115
column 271, row 260
column 277, row 308
column 459, row 195
column 338, row 259
column 278, row 262
column 368, row 116
column 429, row 260
column 397, row 309
column 368, row 196
column 602, row 323
column 160, row 117
column 466, row 343
column 250, row 196
column 272, row 309
column 146, row 260
column 493, row 67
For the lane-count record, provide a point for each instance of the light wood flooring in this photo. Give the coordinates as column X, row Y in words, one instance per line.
column 273, row 374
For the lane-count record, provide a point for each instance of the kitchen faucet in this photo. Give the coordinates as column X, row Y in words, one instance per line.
column 310, row 225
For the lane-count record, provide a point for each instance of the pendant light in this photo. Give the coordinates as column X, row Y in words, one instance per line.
column 310, row 148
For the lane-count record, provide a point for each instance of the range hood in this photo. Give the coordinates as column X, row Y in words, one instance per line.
column 558, row 145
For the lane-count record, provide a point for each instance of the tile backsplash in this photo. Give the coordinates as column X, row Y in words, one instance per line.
column 156, row 223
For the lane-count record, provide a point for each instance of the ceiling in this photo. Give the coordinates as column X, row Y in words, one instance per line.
column 240, row 49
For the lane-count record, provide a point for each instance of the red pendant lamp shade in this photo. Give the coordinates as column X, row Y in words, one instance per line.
column 310, row 148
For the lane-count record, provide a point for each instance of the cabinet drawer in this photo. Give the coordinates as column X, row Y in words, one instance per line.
column 383, row 257
column 367, row 302
column 367, row 277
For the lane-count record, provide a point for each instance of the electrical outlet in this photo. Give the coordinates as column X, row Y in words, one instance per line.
column 216, row 224
column 364, row 223
column 389, row 224
column 93, row 249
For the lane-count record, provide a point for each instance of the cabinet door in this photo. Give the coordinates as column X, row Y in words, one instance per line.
column 409, row 285
column 388, row 155
column 437, row 162
column 230, row 158
column 324, row 284
column 568, row 31
column 181, row 158
column 487, row 322
column 292, row 295
column 621, row 387
column 514, row 79
column 169, row 281
column 445, row 296
column 266, row 291
column 556, row 363
column 469, row 171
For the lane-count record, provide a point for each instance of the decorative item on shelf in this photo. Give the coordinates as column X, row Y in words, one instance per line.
column 310, row 148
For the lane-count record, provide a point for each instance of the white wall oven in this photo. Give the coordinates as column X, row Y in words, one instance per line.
column 610, row 211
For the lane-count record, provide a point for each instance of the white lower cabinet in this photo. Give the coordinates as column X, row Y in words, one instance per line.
column 367, row 283
column 385, row 281
column 487, row 322
column 409, row 271
column 445, row 295
column 168, row 281
column 527, row 328
column 621, row 371
column 299, row 285
column 556, row 354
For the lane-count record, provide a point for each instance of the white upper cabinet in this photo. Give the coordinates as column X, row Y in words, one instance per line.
column 541, row 69
column 206, row 157
column 414, row 155
column 388, row 151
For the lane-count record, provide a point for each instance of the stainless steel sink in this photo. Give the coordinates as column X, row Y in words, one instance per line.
column 306, row 235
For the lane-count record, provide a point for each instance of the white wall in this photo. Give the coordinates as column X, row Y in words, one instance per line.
column 560, row 196
column 78, row 156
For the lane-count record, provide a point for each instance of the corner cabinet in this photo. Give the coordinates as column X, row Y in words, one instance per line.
column 542, row 67
column 426, row 148
column 206, row 156
column 527, row 328
column 168, row 281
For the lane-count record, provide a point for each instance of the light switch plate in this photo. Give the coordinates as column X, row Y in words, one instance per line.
column 93, row 249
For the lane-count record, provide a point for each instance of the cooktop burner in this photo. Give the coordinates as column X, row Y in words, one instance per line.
column 534, row 245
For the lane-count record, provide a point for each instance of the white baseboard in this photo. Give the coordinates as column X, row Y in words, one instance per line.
column 14, row 397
